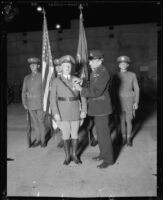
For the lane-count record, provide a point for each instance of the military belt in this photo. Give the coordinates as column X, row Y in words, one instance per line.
column 68, row 98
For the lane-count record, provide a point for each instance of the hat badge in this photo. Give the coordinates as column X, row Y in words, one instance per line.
column 68, row 58
column 91, row 54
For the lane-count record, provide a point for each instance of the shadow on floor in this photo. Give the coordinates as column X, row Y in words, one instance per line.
column 147, row 107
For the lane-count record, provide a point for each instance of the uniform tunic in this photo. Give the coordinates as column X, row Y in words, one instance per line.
column 99, row 102
column 68, row 110
column 128, row 91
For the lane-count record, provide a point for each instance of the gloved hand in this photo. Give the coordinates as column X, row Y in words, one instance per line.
column 135, row 106
column 57, row 117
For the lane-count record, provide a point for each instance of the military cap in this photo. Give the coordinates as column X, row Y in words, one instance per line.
column 56, row 61
column 123, row 59
column 67, row 59
column 33, row 60
column 95, row 54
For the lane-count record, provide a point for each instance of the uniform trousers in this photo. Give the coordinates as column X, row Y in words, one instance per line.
column 39, row 126
column 69, row 128
column 104, row 138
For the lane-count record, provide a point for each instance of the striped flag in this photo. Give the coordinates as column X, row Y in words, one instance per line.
column 82, row 53
column 47, row 69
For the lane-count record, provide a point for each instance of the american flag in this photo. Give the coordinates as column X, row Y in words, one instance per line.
column 82, row 53
column 47, row 69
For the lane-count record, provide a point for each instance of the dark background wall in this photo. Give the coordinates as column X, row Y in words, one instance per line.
column 138, row 41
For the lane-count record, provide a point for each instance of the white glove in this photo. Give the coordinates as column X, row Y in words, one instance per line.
column 135, row 106
column 77, row 80
column 57, row 117
column 81, row 122
column 82, row 115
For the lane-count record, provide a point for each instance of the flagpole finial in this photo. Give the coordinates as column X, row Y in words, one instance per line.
column 43, row 11
column 80, row 7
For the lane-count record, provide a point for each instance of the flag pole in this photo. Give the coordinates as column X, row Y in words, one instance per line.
column 47, row 72
column 82, row 56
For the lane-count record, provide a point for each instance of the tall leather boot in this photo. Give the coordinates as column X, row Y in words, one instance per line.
column 74, row 150
column 67, row 152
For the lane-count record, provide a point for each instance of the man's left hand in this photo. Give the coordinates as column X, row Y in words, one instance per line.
column 82, row 115
column 135, row 106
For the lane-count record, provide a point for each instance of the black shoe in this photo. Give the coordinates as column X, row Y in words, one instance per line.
column 103, row 165
column 36, row 144
column 29, row 145
column 80, row 161
column 76, row 160
column 43, row 144
column 129, row 142
column 94, row 142
column 97, row 158
column 67, row 161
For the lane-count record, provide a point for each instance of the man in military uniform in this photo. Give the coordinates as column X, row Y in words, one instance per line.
column 99, row 106
column 32, row 100
column 67, row 108
column 128, row 94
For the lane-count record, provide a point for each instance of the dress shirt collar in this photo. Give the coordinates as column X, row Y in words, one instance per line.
column 67, row 77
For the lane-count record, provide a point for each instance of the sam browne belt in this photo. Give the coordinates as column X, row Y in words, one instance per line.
column 68, row 98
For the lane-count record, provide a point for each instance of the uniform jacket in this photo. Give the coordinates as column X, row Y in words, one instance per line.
column 68, row 110
column 99, row 102
column 32, row 91
column 128, row 85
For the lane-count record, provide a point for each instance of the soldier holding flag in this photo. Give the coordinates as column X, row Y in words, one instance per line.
column 99, row 105
column 83, row 69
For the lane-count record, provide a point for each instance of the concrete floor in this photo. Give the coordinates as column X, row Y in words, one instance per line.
column 40, row 171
